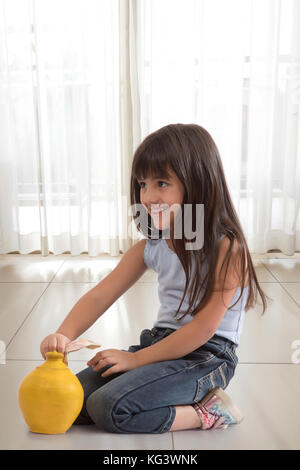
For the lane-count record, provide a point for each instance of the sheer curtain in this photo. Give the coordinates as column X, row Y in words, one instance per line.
column 83, row 82
column 65, row 146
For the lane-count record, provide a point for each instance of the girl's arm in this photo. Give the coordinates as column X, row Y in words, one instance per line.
column 96, row 301
column 205, row 323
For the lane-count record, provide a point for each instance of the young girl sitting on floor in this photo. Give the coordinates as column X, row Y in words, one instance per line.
column 175, row 378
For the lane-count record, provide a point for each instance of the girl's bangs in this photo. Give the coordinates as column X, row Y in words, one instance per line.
column 152, row 164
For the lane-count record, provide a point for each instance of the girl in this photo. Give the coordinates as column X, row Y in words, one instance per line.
column 174, row 379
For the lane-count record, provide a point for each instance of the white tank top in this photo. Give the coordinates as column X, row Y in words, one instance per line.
column 171, row 282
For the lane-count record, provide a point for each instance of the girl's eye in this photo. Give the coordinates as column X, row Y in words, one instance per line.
column 163, row 182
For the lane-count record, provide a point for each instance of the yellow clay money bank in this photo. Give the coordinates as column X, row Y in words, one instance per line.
column 51, row 396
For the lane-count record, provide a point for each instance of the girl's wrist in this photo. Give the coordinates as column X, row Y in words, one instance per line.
column 140, row 358
column 64, row 333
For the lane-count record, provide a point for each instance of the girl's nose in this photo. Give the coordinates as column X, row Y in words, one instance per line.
column 153, row 204
column 151, row 199
column 151, row 196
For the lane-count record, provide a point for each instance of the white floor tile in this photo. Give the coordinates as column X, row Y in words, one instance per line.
column 17, row 300
column 84, row 270
column 275, row 255
column 263, row 255
column 93, row 271
column 41, row 270
column 268, row 396
column 52, row 257
column 284, row 270
column 282, row 255
column 268, row 337
column 293, row 289
column 262, row 273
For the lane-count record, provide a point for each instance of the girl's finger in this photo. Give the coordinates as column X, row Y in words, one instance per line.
column 111, row 370
column 52, row 345
column 110, row 361
column 94, row 360
column 100, row 365
column 60, row 347
column 104, row 362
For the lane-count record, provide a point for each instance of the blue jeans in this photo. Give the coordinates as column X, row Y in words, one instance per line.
column 143, row 400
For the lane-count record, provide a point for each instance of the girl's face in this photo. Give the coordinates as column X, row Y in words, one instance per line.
column 158, row 196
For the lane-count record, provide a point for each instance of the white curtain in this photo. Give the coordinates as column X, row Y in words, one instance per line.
column 83, row 82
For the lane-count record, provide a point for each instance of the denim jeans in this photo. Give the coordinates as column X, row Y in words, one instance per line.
column 143, row 400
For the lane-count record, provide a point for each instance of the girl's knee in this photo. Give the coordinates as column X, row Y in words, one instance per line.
column 109, row 412
column 89, row 382
column 99, row 407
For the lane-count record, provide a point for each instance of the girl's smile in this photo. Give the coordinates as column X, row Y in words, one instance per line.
column 157, row 210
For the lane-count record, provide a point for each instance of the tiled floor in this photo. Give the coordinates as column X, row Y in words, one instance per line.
column 38, row 292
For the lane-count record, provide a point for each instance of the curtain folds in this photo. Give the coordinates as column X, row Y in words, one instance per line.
column 83, row 82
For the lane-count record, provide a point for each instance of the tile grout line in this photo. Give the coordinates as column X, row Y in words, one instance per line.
column 16, row 332
column 269, row 271
column 29, row 313
column 281, row 284
column 290, row 295
column 57, row 271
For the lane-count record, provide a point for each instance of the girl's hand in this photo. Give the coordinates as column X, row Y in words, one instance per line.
column 122, row 360
column 54, row 342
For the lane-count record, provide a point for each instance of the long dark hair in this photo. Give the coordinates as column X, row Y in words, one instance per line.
column 191, row 153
